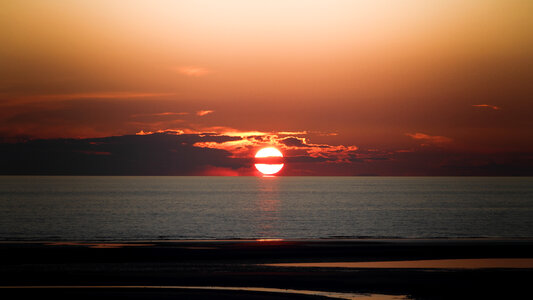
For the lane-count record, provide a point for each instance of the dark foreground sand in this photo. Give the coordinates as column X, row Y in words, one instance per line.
column 240, row 264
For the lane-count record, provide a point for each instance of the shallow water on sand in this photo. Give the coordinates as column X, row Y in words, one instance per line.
column 469, row 263
column 145, row 208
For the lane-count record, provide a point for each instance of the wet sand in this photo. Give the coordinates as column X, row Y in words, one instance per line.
column 469, row 263
column 241, row 264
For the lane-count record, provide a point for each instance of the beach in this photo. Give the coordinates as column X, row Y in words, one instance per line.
column 184, row 268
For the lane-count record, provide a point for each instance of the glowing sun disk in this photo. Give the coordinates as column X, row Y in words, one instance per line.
column 268, row 169
column 269, row 152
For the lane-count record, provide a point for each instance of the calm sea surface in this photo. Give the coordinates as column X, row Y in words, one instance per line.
column 139, row 208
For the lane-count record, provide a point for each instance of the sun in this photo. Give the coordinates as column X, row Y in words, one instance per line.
column 269, row 161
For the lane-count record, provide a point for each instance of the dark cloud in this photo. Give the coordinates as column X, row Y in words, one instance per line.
column 355, row 158
column 293, row 142
column 181, row 154
column 509, row 164
column 155, row 154
column 305, row 159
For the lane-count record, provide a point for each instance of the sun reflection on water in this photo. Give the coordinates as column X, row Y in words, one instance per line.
column 267, row 209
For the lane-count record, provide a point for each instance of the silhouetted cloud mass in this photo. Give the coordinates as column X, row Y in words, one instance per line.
column 155, row 154
column 178, row 153
column 293, row 142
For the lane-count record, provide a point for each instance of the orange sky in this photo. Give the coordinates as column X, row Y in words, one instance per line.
column 381, row 76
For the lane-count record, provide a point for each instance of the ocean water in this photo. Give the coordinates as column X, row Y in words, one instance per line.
column 148, row 208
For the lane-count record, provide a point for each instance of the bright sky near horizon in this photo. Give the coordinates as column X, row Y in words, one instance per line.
column 375, row 79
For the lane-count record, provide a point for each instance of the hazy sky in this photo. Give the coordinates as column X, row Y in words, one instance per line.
column 382, row 77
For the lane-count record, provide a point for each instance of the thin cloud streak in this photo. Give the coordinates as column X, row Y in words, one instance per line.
column 429, row 139
column 494, row 107
column 161, row 114
column 77, row 96
column 292, row 132
column 193, row 71
column 202, row 113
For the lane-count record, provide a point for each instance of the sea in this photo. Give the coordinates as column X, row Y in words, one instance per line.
column 132, row 208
